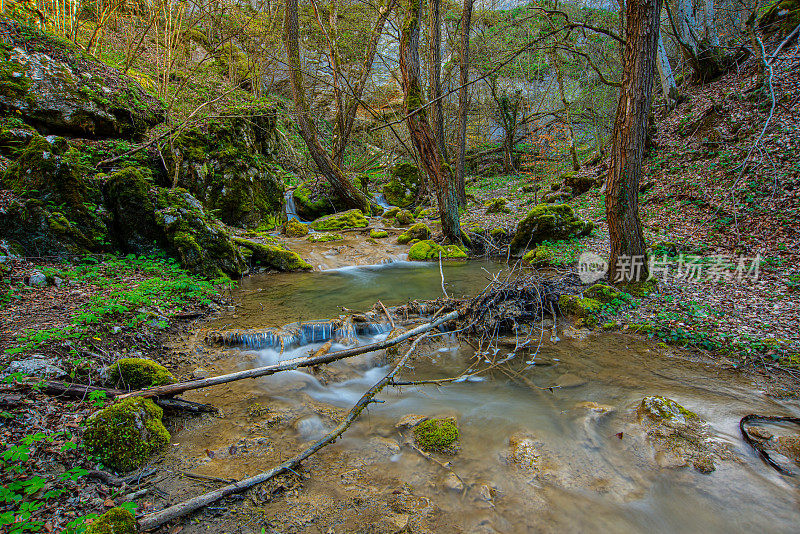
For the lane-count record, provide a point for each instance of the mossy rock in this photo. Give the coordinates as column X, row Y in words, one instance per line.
column 404, row 218
column 476, row 229
column 115, row 521
column 418, row 231
column 276, row 257
column 403, row 186
column 428, row 250
column 782, row 18
column 294, row 228
column 378, row 234
column 391, row 213
column 579, row 183
column 349, row 219
column 313, row 200
column 548, row 222
column 228, row 165
column 661, row 409
column 325, row 237
column 498, row 233
column 556, row 197
column 59, row 210
column 604, row 293
column 437, row 435
column 497, row 205
column 581, row 307
column 538, row 257
column 124, row 435
column 422, row 212
column 139, row 373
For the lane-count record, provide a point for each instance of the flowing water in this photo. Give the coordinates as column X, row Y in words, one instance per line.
column 595, row 471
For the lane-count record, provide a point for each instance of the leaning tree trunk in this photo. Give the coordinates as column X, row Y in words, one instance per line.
column 463, row 100
column 668, row 84
column 344, row 189
column 628, row 262
column 439, row 173
column 567, row 117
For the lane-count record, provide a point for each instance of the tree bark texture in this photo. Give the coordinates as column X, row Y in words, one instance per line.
column 435, row 73
column 627, row 261
column 439, row 172
column 668, row 85
column 463, row 100
column 349, row 194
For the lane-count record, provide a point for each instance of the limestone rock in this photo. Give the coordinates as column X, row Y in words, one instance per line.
column 403, row 186
column 549, row 222
column 37, row 366
column 409, row 421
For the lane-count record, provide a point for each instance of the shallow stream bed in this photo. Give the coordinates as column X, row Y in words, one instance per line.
column 586, row 465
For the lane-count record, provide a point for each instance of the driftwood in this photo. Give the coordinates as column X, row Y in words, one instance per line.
column 288, row 365
column 156, row 519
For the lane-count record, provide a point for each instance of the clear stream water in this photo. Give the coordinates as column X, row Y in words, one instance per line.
column 589, row 479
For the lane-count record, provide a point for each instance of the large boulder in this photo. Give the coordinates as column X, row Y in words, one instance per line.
column 228, row 165
column 403, row 187
column 429, row 250
column 548, row 222
column 316, row 199
column 60, row 90
column 148, row 218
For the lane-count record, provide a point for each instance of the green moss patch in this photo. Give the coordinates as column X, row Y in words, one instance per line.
column 418, row 231
column 139, row 373
column 538, row 257
column 324, row 237
column 403, row 186
column 275, row 257
column 497, row 205
column 378, row 234
column 124, row 435
column 583, row 308
column 437, row 435
column 428, row 250
column 294, row 228
column 115, row 521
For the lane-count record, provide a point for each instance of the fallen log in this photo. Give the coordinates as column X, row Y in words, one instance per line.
column 288, row 365
column 156, row 519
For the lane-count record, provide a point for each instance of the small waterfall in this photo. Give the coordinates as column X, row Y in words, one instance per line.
column 289, row 207
column 298, row 334
column 380, row 200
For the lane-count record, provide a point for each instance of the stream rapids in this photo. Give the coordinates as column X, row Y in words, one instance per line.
column 587, row 463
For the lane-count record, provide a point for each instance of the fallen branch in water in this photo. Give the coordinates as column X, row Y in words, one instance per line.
column 288, row 365
column 156, row 519
column 389, row 315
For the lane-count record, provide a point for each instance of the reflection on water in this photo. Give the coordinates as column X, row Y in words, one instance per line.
column 590, row 478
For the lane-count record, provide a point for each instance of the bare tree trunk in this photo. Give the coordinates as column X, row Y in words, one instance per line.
column 668, row 84
column 627, row 262
column 348, row 193
column 463, row 100
column 567, row 117
column 439, row 173
column 435, row 73
column 709, row 25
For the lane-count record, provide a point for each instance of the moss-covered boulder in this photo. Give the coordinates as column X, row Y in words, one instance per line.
column 428, row 250
column 418, row 231
column 378, row 234
column 583, row 308
column 124, row 435
column 58, row 209
column 391, row 213
column 115, row 521
column 403, row 186
column 349, row 219
column 579, row 183
column 61, row 90
column 138, row 373
column 548, row 222
column 404, row 218
column 497, row 205
column 228, row 165
column 325, row 237
column 294, row 228
column 313, row 200
column 782, row 18
column 271, row 256
column 437, row 435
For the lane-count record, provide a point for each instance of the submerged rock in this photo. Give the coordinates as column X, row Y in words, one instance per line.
column 410, row 421
column 139, row 373
column 679, row 437
column 403, row 186
column 124, row 435
column 325, row 237
column 548, row 222
column 523, row 452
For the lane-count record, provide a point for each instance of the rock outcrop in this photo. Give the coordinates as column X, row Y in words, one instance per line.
column 548, row 222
